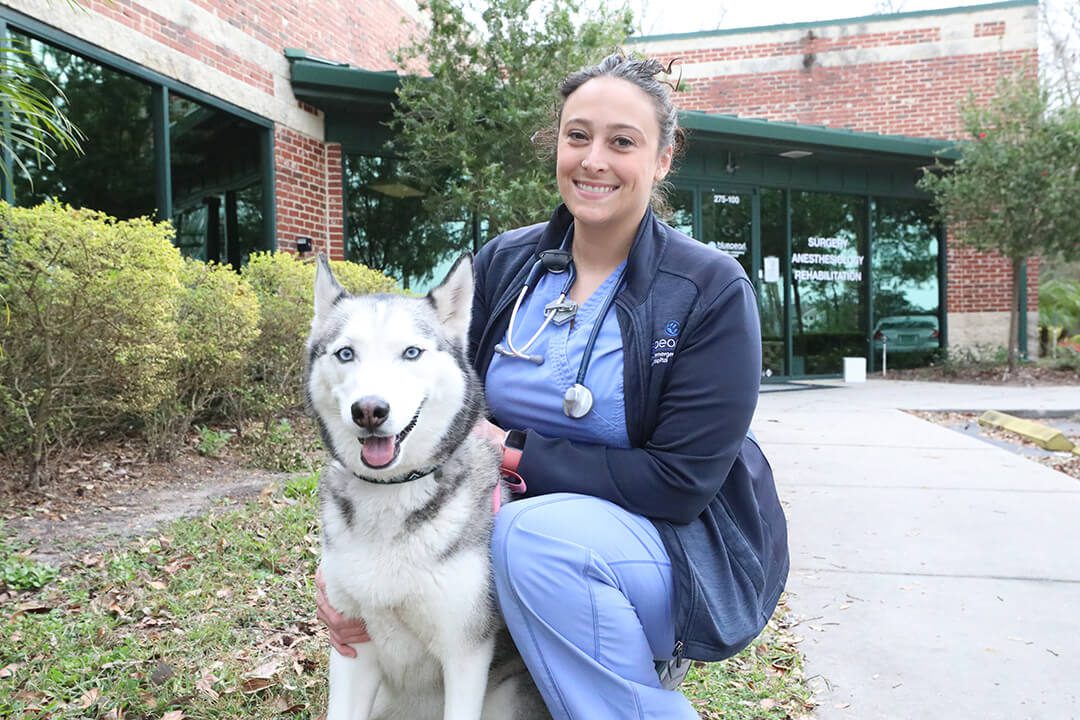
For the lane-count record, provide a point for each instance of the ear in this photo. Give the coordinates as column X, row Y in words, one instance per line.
column 663, row 164
column 452, row 299
column 327, row 288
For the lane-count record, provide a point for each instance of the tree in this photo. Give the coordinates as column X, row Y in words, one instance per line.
column 1015, row 186
column 492, row 87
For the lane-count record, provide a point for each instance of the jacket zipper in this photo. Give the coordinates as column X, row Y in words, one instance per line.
column 680, row 637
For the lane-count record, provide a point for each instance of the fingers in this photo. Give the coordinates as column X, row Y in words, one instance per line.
column 489, row 431
column 343, row 630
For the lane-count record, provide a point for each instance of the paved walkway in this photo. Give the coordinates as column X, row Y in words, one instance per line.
column 936, row 576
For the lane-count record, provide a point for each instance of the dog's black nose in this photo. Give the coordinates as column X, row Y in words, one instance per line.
column 370, row 412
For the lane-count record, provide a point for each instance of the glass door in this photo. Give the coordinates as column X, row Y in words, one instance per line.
column 727, row 222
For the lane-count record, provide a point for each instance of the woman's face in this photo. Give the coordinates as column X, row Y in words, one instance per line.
column 608, row 155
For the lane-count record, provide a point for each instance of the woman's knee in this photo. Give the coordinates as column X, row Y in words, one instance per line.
column 528, row 535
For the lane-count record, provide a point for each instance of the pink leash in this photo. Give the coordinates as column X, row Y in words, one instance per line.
column 517, row 485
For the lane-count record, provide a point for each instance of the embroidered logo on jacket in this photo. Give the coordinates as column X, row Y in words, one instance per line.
column 663, row 349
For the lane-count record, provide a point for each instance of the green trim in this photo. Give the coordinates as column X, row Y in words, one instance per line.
column 159, row 115
column 28, row 25
column 812, row 136
column 838, row 21
column 269, row 192
column 322, row 78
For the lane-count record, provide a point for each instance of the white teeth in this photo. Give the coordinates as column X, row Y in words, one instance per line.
column 596, row 188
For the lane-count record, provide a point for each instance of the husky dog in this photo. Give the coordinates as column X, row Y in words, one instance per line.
column 407, row 508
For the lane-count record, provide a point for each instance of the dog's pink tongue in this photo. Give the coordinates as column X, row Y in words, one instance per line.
column 378, row 451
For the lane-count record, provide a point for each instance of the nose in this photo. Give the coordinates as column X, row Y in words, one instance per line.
column 370, row 412
column 594, row 159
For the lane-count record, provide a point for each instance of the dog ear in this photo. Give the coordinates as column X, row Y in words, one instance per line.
column 452, row 299
column 327, row 288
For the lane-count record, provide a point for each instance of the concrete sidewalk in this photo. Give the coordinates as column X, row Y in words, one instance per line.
column 935, row 575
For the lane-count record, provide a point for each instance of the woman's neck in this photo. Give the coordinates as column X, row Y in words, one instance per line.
column 600, row 249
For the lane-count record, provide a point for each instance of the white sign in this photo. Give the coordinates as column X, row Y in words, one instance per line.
column 734, row 249
column 772, row 269
column 845, row 267
column 726, row 199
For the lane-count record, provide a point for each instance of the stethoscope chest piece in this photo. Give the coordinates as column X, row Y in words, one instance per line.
column 561, row 311
column 578, row 401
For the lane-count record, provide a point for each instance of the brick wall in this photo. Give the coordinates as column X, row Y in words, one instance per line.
column 308, row 187
column 364, row 33
column 903, row 76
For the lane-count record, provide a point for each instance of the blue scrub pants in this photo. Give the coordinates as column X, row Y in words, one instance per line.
column 586, row 590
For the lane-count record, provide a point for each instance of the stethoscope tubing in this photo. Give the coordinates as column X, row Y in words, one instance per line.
column 579, row 400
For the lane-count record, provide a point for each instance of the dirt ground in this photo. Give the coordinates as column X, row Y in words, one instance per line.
column 990, row 375
column 112, row 492
column 968, row 423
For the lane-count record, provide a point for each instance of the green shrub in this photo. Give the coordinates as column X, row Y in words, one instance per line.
column 284, row 285
column 1059, row 304
column 212, row 441
column 218, row 324
column 89, row 337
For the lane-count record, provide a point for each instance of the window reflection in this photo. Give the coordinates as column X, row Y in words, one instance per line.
column 115, row 173
column 828, row 246
column 216, row 182
column 387, row 227
column 727, row 223
column 905, row 275
column 682, row 211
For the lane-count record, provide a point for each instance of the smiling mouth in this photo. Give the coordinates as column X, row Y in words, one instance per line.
column 589, row 187
column 379, row 451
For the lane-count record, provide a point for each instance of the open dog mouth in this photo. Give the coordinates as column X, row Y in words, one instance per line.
column 379, row 451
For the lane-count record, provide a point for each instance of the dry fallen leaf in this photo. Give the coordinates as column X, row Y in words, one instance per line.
column 157, row 585
column 173, row 715
column 205, row 685
column 9, row 670
column 89, row 697
column 254, row 685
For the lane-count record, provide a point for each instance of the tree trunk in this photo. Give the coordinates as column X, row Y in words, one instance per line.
column 1014, row 315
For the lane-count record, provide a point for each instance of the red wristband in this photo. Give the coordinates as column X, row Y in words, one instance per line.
column 512, row 448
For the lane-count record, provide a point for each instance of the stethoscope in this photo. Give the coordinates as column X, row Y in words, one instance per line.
column 578, row 400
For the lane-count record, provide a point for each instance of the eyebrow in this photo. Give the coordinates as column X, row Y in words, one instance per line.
column 612, row 126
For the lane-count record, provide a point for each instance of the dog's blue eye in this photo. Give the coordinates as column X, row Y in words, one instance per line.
column 412, row 352
column 345, row 354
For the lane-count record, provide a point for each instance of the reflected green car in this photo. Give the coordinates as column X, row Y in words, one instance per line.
column 907, row 333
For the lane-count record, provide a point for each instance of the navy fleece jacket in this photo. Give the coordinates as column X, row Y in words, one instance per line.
column 692, row 366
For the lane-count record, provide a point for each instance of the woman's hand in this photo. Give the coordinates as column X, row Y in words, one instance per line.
column 489, row 431
column 343, row 630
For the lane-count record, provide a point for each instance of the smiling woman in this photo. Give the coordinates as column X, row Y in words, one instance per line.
column 646, row 502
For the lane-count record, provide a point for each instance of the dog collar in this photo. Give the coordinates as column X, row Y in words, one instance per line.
column 414, row 475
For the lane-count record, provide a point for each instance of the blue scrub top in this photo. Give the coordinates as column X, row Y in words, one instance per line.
column 526, row 396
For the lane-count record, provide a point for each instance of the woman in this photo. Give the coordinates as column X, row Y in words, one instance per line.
column 622, row 375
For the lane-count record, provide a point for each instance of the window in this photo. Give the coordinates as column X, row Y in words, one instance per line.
column 216, row 182
column 115, row 173
column 217, row 159
column 828, row 252
column 387, row 227
column 905, row 259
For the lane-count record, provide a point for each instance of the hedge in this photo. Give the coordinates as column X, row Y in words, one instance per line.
column 89, row 337
column 105, row 329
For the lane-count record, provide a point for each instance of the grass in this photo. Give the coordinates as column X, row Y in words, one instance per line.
column 214, row 618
